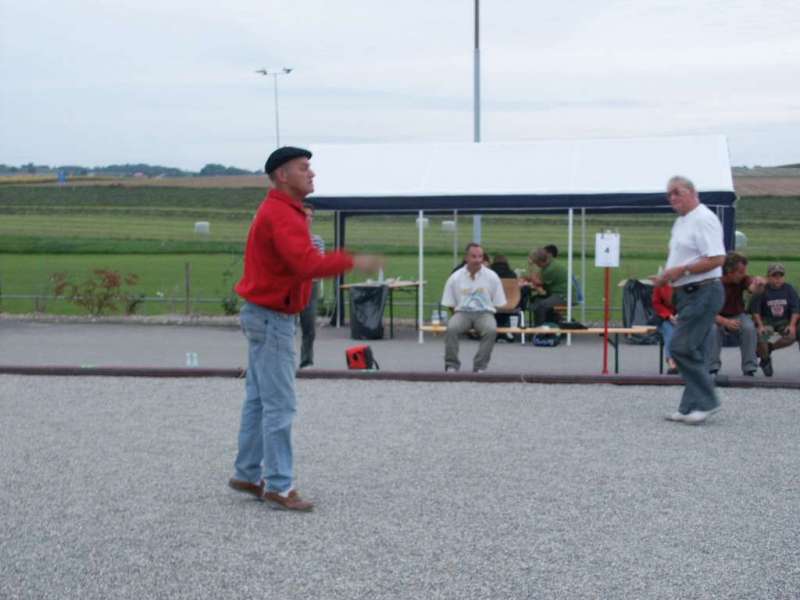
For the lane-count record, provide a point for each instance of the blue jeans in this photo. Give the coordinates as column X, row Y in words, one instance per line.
column 666, row 329
column 265, row 434
column 691, row 344
column 747, row 338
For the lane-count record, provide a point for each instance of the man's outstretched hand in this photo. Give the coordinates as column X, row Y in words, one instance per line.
column 368, row 263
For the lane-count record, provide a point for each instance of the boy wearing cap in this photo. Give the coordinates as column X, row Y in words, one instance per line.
column 776, row 311
column 280, row 262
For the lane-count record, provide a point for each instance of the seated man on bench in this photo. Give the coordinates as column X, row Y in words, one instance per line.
column 472, row 293
column 732, row 321
column 550, row 283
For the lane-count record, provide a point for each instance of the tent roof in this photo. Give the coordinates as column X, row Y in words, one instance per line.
column 626, row 173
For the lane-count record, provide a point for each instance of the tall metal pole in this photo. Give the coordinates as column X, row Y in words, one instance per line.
column 421, row 276
column 570, row 228
column 476, row 219
column 277, row 119
column 583, row 264
column 275, row 73
column 477, row 75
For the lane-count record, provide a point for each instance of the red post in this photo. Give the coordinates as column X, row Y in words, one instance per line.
column 607, row 303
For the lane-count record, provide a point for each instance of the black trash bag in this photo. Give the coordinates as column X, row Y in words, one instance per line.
column 366, row 312
column 637, row 309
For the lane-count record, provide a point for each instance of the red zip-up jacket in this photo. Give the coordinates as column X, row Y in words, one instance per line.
column 662, row 301
column 280, row 261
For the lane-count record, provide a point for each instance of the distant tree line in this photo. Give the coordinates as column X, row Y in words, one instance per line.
column 213, row 169
column 126, row 170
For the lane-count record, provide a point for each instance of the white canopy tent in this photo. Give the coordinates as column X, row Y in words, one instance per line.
column 597, row 175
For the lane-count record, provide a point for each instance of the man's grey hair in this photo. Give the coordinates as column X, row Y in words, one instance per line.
column 683, row 182
column 540, row 255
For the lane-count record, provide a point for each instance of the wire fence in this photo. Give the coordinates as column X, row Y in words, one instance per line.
column 141, row 244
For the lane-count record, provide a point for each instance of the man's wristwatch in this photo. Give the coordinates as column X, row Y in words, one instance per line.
column 686, row 273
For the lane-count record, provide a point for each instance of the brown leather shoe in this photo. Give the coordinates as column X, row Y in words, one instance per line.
column 291, row 502
column 246, row 487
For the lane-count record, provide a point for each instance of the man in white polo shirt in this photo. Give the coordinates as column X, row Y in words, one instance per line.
column 473, row 292
column 694, row 267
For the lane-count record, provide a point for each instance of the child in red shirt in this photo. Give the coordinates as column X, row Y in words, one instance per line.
column 665, row 309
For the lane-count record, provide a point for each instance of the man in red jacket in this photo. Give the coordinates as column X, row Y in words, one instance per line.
column 279, row 263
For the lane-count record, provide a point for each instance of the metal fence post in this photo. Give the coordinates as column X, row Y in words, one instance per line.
column 187, row 277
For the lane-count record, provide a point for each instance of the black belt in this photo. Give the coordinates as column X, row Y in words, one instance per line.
column 696, row 285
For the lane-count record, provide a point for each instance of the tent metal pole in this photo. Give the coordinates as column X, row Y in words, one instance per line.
column 455, row 237
column 570, row 227
column 420, row 279
column 337, row 282
column 583, row 263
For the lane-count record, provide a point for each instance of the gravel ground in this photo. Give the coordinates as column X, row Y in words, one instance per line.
column 117, row 488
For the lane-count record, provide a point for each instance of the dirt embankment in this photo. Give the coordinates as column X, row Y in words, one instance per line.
column 767, row 186
column 768, row 183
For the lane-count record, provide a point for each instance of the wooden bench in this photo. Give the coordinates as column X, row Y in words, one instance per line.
column 596, row 331
column 559, row 310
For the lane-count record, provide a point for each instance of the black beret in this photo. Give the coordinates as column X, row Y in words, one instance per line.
column 283, row 155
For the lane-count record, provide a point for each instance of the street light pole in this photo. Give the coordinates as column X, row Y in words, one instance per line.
column 477, row 229
column 274, row 73
column 477, row 76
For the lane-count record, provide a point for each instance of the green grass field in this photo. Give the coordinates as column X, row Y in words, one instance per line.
column 150, row 232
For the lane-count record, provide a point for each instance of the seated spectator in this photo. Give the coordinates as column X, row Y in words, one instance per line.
column 776, row 312
column 552, row 250
column 665, row 309
column 502, row 268
column 472, row 293
column 733, row 319
column 550, row 284
column 504, row 271
column 486, row 260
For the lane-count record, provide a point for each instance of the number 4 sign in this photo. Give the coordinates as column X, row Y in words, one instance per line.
column 606, row 250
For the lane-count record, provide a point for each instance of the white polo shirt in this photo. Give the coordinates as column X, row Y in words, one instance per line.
column 481, row 294
column 695, row 235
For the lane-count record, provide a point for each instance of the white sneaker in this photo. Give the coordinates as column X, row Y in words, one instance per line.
column 677, row 416
column 699, row 416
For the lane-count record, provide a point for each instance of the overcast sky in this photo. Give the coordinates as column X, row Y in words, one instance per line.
column 172, row 82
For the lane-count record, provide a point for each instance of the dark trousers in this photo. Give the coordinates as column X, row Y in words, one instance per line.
column 543, row 308
column 308, row 326
column 691, row 344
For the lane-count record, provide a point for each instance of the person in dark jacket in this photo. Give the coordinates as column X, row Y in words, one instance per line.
column 504, row 271
column 280, row 262
column 308, row 316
